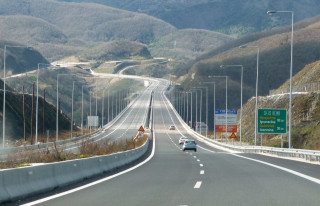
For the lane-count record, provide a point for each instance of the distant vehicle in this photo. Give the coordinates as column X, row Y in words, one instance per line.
column 182, row 139
column 189, row 145
column 172, row 127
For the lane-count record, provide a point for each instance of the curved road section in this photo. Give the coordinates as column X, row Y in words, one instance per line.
column 207, row 177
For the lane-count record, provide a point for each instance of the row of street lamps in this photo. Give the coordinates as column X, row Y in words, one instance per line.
column 122, row 104
column 257, row 79
column 256, row 105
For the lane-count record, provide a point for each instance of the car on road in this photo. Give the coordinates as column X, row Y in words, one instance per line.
column 172, row 127
column 182, row 139
column 189, row 145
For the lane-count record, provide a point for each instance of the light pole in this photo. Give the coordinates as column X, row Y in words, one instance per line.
column 241, row 67
column 102, row 113
column 191, row 110
column 82, row 109
column 206, row 88
column 57, row 115
column 226, row 102
column 71, row 126
column 196, row 106
column 181, row 104
column 180, row 107
column 184, row 106
column 214, row 106
column 187, row 107
column 257, row 80
column 197, row 89
column 108, row 107
column 291, row 62
column 86, row 85
column 90, row 111
column 4, row 91
column 102, row 109
column 37, row 103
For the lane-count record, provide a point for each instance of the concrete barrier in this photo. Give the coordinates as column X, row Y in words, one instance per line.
column 4, row 195
column 28, row 181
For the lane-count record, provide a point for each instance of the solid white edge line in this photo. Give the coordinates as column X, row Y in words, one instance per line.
column 197, row 185
column 312, row 179
column 206, row 149
column 96, row 182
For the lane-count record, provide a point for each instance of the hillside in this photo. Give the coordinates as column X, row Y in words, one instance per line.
column 274, row 57
column 19, row 58
column 90, row 22
column 227, row 16
column 30, row 30
column 274, row 62
column 14, row 116
column 116, row 50
column 305, row 110
column 62, row 29
column 188, row 43
column 93, row 86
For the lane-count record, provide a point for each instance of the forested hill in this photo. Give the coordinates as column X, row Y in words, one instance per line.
column 228, row 16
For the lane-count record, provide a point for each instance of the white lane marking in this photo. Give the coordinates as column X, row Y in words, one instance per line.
column 197, row 185
column 206, row 149
column 201, row 165
column 201, row 172
column 194, row 156
column 96, row 182
column 198, row 160
column 312, row 179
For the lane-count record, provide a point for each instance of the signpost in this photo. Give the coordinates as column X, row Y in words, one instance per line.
column 93, row 121
column 220, row 120
column 201, row 125
column 233, row 136
column 272, row 121
column 141, row 129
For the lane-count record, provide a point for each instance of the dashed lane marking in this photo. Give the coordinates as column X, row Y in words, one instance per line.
column 197, row 185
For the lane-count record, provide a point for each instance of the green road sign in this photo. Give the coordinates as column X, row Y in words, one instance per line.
column 272, row 121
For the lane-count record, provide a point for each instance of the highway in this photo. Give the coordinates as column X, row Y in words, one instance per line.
column 125, row 127
column 207, row 177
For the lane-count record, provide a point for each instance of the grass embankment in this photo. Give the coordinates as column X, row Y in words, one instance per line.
column 88, row 148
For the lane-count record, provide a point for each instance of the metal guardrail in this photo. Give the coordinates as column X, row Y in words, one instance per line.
column 4, row 151
column 310, row 87
column 308, row 155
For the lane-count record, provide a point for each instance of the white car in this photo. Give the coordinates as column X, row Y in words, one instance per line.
column 182, row 139
column 172, row 127
column 189, row 145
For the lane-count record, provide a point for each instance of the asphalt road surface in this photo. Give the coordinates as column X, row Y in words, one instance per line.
column 206, row 177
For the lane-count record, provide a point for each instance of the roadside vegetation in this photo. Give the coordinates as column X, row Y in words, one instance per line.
column 88, row 148
column 305, row 111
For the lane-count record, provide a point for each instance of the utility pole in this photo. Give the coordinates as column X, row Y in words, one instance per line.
column 32, row 105
column 24, row 115
column 108, row 107
column 112, row 102
column 43, row 112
